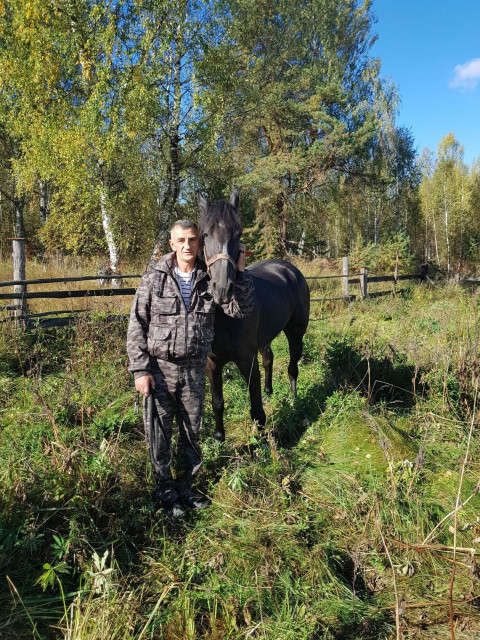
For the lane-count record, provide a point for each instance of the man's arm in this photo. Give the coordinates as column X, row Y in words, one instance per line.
column 137, row 335
column 241, row 304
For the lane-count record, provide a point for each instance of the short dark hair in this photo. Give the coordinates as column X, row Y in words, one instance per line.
column 184, row 224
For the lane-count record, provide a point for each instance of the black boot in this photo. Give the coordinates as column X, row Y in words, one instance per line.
column 192, row 499
column 170, row 502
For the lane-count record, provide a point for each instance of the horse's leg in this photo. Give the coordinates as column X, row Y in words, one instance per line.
column 251, row 374
column 294, row 335
column 267, row 360
column 214, row 374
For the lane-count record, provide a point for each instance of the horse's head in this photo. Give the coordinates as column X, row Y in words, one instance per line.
column 220, row 233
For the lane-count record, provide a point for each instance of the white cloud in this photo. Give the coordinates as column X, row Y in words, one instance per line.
column 467, row 75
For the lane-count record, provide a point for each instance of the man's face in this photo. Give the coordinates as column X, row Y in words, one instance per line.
column 185, row 243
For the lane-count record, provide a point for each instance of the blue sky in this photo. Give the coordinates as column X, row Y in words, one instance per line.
column 431, row 51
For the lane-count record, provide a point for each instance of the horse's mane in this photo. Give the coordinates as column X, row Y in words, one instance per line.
column 221, row 214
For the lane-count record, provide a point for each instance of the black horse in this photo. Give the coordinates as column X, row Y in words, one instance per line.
column 282, row 303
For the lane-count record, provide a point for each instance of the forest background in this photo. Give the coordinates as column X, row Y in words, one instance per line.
column 113, row 113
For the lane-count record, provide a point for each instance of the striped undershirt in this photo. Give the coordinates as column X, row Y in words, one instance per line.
column 184, row 280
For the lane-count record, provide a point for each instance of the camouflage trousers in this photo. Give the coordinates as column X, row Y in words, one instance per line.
column 179, row 393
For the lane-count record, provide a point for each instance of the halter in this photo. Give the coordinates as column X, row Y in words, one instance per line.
column 218, row 256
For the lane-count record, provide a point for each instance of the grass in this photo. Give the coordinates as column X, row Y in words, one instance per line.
column 333, row 524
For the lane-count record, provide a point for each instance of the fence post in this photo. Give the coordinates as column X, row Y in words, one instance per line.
column 19, row 273
column 395, row 276
column 363, row 281
column 345, row 293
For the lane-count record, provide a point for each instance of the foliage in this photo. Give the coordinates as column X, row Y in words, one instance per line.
column 297, row 96
column 448, row 195
column 383, row 259
column 112, row 114
column 367, row 458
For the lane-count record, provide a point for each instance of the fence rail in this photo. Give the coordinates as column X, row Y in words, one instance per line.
column 11, row 283
column 76, row 293
column 470, row 280
column 21, row 313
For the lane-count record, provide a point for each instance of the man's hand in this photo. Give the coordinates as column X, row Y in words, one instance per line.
column 143, row 384
column 241, row 257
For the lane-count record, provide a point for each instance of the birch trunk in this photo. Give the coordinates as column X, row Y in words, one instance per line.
column 337, row 236
column 427, row 240
column 108, row 230
column 447, row 238
column 376, row 223
column 350, row 224
column 328, row 237
column 43, row 202
column 18, row 256
column 435, row 236
column 301, row 244
column 367, row 224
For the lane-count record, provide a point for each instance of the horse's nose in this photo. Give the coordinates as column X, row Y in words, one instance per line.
column 222, row 293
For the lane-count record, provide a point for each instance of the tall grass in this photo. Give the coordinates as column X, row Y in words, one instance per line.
column 340, row 521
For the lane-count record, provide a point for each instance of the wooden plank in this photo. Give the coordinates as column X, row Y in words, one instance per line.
column 345, row 292
column 47, row 323
column 364, row 281
column 379, row 294
column 381, row 279
column 410, row 277
column 349, row 297
column 392, row 278
column 11, row 283
column 53, row 313
column 472, row 280
column 324, row 277
column 80, row 293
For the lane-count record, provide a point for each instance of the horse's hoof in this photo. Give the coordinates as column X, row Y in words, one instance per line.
column 219, row 437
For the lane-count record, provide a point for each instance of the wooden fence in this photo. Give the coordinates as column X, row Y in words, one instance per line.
column 19, row 310
column 363, row 280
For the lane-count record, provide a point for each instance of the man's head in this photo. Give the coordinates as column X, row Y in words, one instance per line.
column 185, row 242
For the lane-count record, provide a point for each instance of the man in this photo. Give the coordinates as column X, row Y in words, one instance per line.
column 169, row 336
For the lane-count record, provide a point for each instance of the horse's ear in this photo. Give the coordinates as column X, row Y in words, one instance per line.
column 234, row 198
column 202, row 203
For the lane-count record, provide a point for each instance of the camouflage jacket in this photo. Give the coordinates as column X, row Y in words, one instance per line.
column 160, row 325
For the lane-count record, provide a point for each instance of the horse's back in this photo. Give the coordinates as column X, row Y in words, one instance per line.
column 281, row 299
column 282, row 296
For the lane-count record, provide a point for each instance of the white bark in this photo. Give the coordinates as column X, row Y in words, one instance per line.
column 18, row 257
column 301, row 244
column 337, row 236
column 447, row 237
column 107, row 228
column 437, row 254
column 427, row 240
column 367, row 224
column 376, row 223
column 44, row 196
